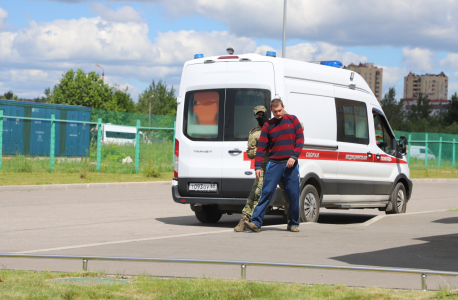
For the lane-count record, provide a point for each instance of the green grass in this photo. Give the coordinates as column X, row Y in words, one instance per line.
column 434, row 173
column 453, row 209
column 38, row 178
column 39, row 285
column 158, row 153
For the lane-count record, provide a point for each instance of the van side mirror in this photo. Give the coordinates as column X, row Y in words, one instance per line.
column 402, row 145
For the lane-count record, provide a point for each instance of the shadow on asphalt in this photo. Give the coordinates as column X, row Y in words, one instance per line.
column 438, row 253
column 453, row 220
column 232, row 220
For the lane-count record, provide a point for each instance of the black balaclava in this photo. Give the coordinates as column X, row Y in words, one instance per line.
column 262, row 119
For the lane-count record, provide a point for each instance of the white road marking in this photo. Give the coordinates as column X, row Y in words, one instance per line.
column 138, row 240
column 373, row 220
column 377, row 218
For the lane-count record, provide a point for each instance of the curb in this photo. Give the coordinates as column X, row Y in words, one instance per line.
column 453, row 180
column 79, row 186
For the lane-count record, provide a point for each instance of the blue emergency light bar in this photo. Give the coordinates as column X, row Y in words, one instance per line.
column 271, row 53
column 198, row 56
column 332, row 63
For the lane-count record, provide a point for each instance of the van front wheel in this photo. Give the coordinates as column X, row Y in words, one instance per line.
column 309, row 204
column 398, row 200
column 209, row 214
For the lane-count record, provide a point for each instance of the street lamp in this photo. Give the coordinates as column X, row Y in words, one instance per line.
column 283, row 51
column 149, row 115
column 103, row 71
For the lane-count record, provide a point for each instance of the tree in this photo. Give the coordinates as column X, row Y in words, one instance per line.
column 163, row 103
column 123, row 100
column 422, row 110
column 84, row 90
column 394, row 111
column 10, row 96
column 452, row 111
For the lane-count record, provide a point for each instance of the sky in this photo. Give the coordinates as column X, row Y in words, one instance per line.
column 138, row 41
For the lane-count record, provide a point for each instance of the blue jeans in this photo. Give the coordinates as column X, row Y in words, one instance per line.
column 290, row 178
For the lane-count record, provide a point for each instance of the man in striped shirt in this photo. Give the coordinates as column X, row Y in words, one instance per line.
column 283, row 137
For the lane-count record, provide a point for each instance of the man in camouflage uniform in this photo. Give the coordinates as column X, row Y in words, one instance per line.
column 255, row 193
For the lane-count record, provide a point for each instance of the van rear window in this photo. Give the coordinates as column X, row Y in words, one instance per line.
column 239, row 117
column 223, row 114
column 202, row 117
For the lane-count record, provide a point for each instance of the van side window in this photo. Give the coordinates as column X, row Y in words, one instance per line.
column 238, row 116
column 383, row 137
column 202, row 115
column 352, row 121
column 121, row 135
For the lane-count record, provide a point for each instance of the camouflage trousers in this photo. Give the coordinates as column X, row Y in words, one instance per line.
column 255, row 194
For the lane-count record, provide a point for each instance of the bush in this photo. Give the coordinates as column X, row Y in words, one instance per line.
column 150, row 171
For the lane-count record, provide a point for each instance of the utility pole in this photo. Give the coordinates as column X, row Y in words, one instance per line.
column 283, row 51
column 149, row 114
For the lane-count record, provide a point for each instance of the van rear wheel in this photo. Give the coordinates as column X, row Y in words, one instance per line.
column 309, row 204
column 398, row 200
column 209, row 214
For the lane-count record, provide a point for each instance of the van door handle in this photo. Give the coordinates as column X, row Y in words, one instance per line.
column 369, row 154
column 378, row 156
column 235, row 151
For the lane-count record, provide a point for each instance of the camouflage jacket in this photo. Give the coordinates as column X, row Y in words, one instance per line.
column 253, row 139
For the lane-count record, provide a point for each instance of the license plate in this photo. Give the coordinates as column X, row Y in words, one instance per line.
column 203, row 187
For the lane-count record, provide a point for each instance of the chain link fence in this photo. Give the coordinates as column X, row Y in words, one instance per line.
column 36, row 137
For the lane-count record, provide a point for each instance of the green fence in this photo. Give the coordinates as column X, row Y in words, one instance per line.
column 430, row 150
column 149, row 147
column 153, row 146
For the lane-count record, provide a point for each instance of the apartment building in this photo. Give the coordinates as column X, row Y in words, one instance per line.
column 373, row 76
column 432, row 85
column 438, row 106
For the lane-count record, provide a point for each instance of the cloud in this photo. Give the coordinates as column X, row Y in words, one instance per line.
column 397, row 23
column 393, row 77
column 450, row 61
column 322, row 51
column 125, row 51
column 420, row 60
column 123, row 14
column 3, row 17
column 452, row 88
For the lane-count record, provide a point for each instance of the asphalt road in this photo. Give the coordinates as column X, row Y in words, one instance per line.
column 145, row 222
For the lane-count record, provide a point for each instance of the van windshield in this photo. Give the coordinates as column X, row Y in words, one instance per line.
column 222, row 114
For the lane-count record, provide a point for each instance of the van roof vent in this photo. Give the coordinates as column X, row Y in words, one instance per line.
column 245, row 59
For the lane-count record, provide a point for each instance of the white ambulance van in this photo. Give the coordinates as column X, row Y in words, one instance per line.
column 343, row 165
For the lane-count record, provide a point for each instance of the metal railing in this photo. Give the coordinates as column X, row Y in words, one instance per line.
column 440, row 142
column 99, row 123
column 243, row 265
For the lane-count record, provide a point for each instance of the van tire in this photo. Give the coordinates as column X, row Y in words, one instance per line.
column 398, row 200
column 309, row 200
column 209, row 214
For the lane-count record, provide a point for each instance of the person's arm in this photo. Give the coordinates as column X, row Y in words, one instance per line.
column 261, row 149
column 252, row 146
column 299, row 143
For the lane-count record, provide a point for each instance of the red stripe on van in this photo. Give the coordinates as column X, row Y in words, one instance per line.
column 340, row 156
column 318, row 155
column 351, row 156
column 387, row 159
